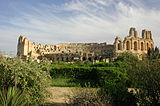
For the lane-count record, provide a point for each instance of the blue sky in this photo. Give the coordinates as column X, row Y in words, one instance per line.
column 65, row 21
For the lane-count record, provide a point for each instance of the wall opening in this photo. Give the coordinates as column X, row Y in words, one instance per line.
column 67, row 59
column 127, row 45
column 119, row 45
column 135, row 46
column 90, row 59
column 142, row 46
column 101, row 59
column 62, row 59
column 84, row 58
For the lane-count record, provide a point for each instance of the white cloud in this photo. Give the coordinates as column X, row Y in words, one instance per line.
column 83, row 21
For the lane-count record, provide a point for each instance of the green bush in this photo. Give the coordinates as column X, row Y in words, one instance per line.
column 147, row 77
column 114, row 82
column 73, row 71
column 27, row 76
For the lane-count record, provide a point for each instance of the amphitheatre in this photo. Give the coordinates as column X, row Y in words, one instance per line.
column 95, row 52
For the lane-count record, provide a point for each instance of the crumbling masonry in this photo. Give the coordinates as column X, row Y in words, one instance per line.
column 95, row 52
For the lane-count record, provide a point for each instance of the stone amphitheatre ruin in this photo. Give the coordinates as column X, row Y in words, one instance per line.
column 95, row 52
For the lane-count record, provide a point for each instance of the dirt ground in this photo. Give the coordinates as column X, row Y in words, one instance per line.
column 59, row 96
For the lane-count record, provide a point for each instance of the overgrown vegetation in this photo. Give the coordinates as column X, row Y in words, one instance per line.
column 112, row 79
column 89, row 97
column 29, row 77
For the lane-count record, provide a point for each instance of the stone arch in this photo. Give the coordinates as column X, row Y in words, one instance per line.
column 53, row 59
column 95, row 58
column 62, row 59
column 90, row 59
column 135, row 45
column 84, row 58
column 101, row 59
column 72, row 58
column 128, row 46
column 67, row 59
column 142, row 46
column 119, row 45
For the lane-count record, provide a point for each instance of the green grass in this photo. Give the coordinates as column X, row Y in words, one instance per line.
column 70, row 82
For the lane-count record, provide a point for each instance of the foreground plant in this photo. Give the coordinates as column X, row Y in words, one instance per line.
column 31, row 77
column 89, row 97
column 12, row 97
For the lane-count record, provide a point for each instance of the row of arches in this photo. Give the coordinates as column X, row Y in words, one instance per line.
column 143, row 46
column 73, row 58
column 135, row 46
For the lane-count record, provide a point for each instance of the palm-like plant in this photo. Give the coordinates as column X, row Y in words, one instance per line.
column 12, row 97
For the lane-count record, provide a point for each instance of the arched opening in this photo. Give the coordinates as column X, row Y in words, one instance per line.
column 95, row 58
column 84, row 58
column 67, row 60
column 90, row 59
column 142, row 46
column 52, row 59
column 62, row 59
column 72, row 59
column 135, row 46
column 127, row 45
column 120, row 45
column 101, row 59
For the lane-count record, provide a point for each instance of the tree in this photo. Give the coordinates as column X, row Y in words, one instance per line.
column 148, row 79
column 30, row 77
column 127, row 57
column 153, row 53
column 114, row 82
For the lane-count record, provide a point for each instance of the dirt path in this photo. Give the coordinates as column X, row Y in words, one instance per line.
column 59, row 96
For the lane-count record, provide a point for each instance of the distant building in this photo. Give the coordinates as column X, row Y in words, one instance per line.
column 95, row 52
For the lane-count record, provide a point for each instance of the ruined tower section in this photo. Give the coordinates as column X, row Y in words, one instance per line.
column 22, row 47
column 134, row 44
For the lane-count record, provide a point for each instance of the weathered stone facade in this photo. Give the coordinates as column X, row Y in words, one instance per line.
column 95, row 52
column 134, row 44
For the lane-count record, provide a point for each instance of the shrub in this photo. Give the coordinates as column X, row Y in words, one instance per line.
column 114, row 83
column 27, row 76
column 89, row 97
column 153, row 53
column 148, row 79
column 73, row 71
column 127, row 57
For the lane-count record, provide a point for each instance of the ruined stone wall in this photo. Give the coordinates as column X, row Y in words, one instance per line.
column 69, row 52
column 65, row 51
column 133, row 43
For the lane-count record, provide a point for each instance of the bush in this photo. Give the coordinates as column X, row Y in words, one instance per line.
column 148, row 79
column 27, row 76
column 73, row 71
column 89, row 97
column 114, row 82
column 127, row 57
